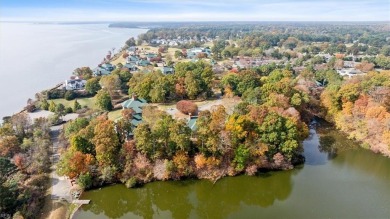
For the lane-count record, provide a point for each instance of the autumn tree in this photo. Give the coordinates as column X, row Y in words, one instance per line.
column 9, row 145
column 106, row 142
column 110, row 83
column 365, row 66
column 84, row 72
column 73, row 163
column 187, row 107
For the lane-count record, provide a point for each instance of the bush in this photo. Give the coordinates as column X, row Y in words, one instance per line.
column 187, row 107
column 85, row 181
column 70, row 95
column 130, row 183
column 68, row 110
column 44, row 104
column 55, row 119
column 56, row 94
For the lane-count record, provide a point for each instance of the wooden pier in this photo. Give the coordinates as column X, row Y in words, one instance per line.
column 81, row 202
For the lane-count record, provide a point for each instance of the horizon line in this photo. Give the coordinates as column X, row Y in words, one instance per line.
column 193, row 21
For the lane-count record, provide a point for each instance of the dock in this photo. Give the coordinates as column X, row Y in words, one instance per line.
column 81, row 202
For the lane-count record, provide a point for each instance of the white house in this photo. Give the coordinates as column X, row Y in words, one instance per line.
column 350, row 72
column 75, row 84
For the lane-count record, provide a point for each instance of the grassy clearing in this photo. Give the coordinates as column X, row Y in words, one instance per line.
column 89, row 102
column 114, row 115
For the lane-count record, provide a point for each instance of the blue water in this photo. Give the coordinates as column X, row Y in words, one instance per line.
column 34, row 57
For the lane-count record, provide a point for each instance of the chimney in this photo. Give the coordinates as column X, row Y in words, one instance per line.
column 134, row 96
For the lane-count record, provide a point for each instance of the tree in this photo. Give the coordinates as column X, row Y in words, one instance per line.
column 106, row 142
column 241, row 157
column 130, row 42
column 281, row 134
column 383, row 61
column 70, row 95
column 187, row 107
column 103, row 100
column 74, row 126
column 192, row 85
column 84, row 72
column 365, row 66
column 110, row 83
column 44, row 104
column 8, row 190
column 85, row 180
column 178, row 54
column 76, row 106
column 160, row 90
column 60, row 109
column 143, row 137
column 92, row 86
column 290, row 43
column 21, row 123
column 52, row 106
column 82, row 144
column 385, row 51
column 9, row 145
column 73, row 163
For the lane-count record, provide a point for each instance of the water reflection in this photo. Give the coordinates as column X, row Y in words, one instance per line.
column 191, row 198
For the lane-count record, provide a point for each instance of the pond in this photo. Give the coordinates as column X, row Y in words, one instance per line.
column 338, row 180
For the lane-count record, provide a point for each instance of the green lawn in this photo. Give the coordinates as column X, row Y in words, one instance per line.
column 114, row 115
column 89, row 102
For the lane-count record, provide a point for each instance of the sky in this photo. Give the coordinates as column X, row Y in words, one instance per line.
column 194, row 10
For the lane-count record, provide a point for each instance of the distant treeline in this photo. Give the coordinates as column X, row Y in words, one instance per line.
column 373, row 33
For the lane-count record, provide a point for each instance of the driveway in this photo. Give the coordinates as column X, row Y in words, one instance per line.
column 60, row 184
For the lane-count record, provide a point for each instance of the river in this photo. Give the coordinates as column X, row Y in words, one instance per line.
column 34, row 57
column 338, row 180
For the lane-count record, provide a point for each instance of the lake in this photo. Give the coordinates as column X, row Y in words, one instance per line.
column 338, row 180
column 34, row 57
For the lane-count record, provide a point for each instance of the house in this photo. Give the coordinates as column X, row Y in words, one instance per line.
column 350, row 72
column 104, row 69
column 132, row 59
column 75, row 84
column 131, row 67
column 100, row 71
column 132, row 50
column 143, row 63
column 193, row 53
column 327, row 56
column 135, row 104
column 192, row 123
column 108, row 66
column 349, row 64
column 150, row 56
column 136, row 120
column 167, row 70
